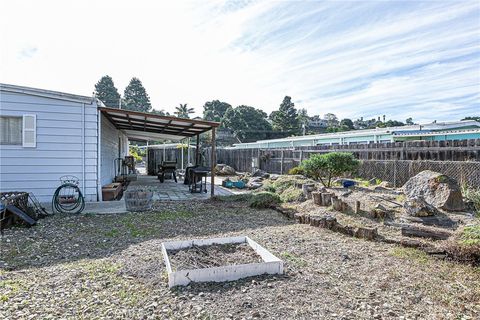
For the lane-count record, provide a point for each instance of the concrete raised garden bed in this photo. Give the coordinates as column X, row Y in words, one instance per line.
column 269, row 265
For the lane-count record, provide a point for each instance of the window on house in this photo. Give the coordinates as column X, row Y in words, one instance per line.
column 11, row 130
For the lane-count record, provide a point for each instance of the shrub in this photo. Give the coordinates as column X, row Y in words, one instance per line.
column 264, row 199
column 470, row 235
column 473, row 195
column 292, row 194
column 325, row 167
column 267, row 186
column 465, row 246
column 296, row 171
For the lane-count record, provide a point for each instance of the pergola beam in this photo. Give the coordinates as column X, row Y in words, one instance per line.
column 213, row 164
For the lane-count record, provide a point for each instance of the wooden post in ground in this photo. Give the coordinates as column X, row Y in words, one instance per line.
column 213, row 164
column 197, row 151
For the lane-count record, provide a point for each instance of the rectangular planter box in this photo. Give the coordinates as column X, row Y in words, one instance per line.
column 270, row 264
column 112, row 191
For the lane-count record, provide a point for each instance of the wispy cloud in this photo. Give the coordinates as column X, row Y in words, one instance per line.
column 27, row 52
column 359, row 58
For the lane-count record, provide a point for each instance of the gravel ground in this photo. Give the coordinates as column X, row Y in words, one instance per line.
column 110, row 267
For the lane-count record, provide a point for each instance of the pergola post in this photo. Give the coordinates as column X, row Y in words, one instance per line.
column 197, row 150
column 213, row 164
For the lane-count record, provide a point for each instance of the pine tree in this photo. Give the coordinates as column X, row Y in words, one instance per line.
column 135, row 97
column 107, row 93
column 286, row 118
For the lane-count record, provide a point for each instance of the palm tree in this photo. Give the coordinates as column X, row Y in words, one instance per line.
column 183, row 111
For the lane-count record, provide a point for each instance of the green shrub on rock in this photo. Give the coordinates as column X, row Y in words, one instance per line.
column 264, row 199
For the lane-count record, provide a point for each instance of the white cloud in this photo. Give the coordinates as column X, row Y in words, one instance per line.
column 354, row 59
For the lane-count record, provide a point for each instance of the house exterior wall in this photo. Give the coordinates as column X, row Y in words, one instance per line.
column 114, row 144
column 66, row 144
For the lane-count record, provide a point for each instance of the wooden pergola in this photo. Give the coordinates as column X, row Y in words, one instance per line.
column 148, row 126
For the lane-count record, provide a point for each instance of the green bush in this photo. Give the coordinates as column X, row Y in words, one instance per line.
column 325, row 167
column 292, row 194
column 470, row 235
column 264, row 199
column 267, row 186
column 296, row 171
column 473, row 195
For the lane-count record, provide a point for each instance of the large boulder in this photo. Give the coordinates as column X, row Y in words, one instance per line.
column 418, row 207
column 436, row 189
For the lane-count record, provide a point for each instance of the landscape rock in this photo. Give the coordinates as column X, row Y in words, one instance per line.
column 224, row 170
column 437, row 189
column 254, row 183
column 260, row 173
column 418, row 207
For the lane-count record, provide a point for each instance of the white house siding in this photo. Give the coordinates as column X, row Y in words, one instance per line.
column 66, row 145
column 113, row 144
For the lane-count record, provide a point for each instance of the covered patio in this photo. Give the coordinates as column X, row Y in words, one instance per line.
column 142, row 126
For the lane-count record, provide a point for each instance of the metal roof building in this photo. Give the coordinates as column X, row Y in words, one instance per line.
column 455, row 130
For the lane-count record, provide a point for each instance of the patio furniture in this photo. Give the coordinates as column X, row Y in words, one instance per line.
column 169, row 168
column 198, row 179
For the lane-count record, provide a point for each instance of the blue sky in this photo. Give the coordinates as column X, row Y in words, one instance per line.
column 361, row 58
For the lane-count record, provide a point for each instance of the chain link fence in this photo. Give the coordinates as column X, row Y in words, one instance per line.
column 398, row 172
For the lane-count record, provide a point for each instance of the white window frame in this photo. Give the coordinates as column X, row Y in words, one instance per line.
column 34, row 130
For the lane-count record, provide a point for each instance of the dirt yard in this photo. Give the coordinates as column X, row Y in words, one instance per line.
column 111, row 267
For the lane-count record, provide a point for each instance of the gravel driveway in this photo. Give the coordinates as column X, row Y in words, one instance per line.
column 111, row 267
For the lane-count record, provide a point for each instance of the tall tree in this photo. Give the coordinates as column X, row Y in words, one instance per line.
column 409, row 121
column 303, row 119
column 107, row 93
column 215, row 110
column 332, row 119
column 285, row 119
column 135, row 97
column 247, row 123
column 347, row 123
column 183, row 111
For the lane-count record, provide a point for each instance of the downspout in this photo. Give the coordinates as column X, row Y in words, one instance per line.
column 83, row 150
column 99, row 156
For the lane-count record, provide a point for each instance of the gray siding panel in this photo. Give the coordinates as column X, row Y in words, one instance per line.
column 60, row 146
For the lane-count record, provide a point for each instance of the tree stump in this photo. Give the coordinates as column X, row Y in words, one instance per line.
column 338, row 204
column 307, row 189
column 327, row 198
column 357, row 207
column 366, row 233
column 317, row 198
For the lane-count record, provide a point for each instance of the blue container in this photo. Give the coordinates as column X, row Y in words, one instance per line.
column 239, row 184
column 348, row 183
